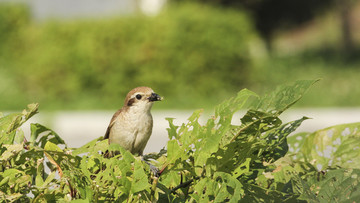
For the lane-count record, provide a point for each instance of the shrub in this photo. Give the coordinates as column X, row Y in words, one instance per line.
column 215, row 162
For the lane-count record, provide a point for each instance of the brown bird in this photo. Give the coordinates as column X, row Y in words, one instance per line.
column 131, row 126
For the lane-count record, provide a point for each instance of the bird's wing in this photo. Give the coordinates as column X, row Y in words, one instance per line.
column 107, row 134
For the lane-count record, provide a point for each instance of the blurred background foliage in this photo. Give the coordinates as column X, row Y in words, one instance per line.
column 193, row 54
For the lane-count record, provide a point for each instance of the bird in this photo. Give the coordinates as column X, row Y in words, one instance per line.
column 131, row 126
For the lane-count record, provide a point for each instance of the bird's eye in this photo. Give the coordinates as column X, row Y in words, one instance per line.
column 138, row 96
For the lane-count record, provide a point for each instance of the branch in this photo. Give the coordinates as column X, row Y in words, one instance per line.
column 184, row 184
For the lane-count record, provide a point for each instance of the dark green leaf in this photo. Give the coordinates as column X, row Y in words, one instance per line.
column 37, row 131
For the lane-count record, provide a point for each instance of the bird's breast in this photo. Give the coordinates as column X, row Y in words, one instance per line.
column 132, row 131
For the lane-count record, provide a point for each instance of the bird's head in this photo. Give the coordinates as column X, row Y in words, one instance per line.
column 141, row 98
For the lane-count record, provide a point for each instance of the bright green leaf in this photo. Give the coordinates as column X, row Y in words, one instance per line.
column 49, row 146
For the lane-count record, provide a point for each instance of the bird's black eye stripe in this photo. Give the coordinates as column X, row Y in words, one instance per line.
column 138, row 96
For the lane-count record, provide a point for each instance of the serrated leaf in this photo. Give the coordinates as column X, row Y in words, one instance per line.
column 140, row 179
column 172, row 128
column 216, row 130
column 283, row 97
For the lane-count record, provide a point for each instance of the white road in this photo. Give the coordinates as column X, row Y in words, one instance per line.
column 78, row 128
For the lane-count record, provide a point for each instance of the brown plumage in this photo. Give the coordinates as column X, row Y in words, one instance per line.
column 131, row 126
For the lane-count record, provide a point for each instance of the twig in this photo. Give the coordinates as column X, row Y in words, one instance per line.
column 184, row 184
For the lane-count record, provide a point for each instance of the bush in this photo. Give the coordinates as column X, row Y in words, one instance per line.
column 187, row 51
column 216, row 162
column 13, row 17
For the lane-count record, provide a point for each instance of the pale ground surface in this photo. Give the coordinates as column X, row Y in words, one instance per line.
column 78, row 128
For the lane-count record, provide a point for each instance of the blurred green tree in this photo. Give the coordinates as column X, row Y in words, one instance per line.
column 273, row 15
column 182, row 53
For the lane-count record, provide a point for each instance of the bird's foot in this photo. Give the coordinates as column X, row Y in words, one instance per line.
column 155, row 171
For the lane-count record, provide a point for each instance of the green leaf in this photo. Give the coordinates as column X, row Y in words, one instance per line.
column 16, row 178
column 5, row 180
column 301, row 187
column 51, row 136
column 341, row 185
column 39, row 182
column 7, row 134
column 87, row 147
column 173, row 151
column 140, row 179
column 252, row 123
column 283, row 97
column 203, row 190
column 329, row 148
column 230, row 189
column 19, row 137
column 50, row 178
column 13, row 197
column 31, row 111
column 276, row 139
column 171, row 179
column 218, row 126
column 10, row 123
column 11, row 151
column 49, row 146
column 222, row 187
column 227, row 109
column 241, row 169
column 127, row 156
column 172, row 128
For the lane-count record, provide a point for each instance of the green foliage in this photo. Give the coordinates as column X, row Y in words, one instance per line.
column 333, row 147
column 186, row 50
column 12, row 18
column 196, row 55
column 216, row 162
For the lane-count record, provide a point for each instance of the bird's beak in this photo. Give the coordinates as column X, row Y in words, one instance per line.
column 155, row 97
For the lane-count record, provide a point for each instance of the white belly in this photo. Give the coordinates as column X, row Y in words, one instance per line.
column 132, row 132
